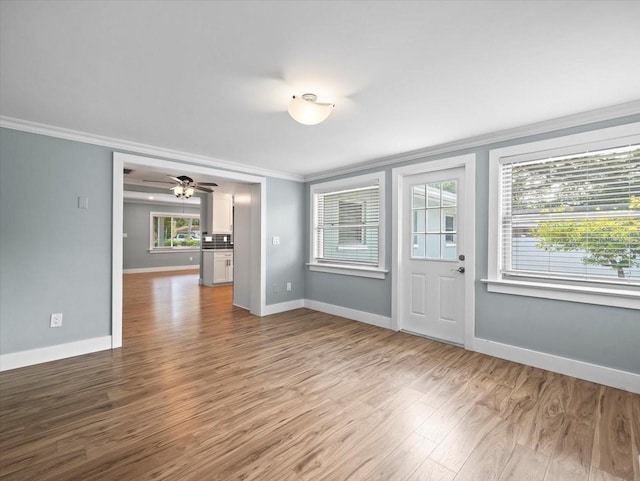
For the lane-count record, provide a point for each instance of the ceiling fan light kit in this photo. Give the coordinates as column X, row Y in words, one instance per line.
column 307, row 110
column 182, row 191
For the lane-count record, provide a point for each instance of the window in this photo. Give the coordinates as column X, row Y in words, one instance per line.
column 568, row 218
column 174, row 231
column 575, row 216
column 347, row 231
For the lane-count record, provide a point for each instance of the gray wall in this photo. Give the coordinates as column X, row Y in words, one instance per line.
column 607, row 336
column 242, row 247
column 54, row 257
column 285, row 219
column 135, row 247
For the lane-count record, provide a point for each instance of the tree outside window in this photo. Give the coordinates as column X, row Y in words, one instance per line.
column 175, row 231
column 578, row 209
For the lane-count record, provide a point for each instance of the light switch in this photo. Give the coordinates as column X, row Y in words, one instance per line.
column 276, row 240
column 83, row 202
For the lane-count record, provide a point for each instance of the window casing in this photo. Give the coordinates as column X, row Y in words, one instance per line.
column 347, row 226
column 174, row 231
column 564, row 218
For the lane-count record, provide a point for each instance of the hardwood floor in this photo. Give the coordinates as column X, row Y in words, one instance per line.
column 202, row 390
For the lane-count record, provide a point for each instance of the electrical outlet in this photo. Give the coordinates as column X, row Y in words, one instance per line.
column 190, row 258
column 275, row 240
column 56, row 320
column 288, row 286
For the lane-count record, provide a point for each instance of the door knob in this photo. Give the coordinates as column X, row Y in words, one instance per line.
column 460, row 270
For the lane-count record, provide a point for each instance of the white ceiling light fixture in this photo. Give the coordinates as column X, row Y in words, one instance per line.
column 184, row 191
column 307, row 110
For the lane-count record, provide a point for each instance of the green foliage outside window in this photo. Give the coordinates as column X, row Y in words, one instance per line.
column 612, row 241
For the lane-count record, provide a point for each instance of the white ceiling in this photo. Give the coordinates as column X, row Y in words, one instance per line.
column 214, row 78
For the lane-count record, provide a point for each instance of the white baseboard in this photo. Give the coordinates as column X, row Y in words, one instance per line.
column 353, row 314
column 356, row 315
column 160, row 269
column 583, row 370
column 14, row 360
column 283, row 306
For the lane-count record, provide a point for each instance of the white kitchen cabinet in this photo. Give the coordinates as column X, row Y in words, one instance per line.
column 222, row 267
column 221, row 209
column 217, row 267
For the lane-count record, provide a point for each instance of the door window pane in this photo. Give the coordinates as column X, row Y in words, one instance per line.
column 433, row 220
column 418, row 196
column 418, row 245
column 433, row 246
column 433, row 195
column 448, row 246
column 450, row 193
column 434, row 212
column 418, row 221
column 449, row 219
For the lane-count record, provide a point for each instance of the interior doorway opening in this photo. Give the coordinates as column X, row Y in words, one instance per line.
column 248, row 213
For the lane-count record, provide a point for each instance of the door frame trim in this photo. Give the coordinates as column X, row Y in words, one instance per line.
column 468, row 163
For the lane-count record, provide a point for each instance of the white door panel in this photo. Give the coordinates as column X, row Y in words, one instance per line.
column 418, row 286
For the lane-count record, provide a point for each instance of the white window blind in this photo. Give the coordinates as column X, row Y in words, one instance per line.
column 573, row 217
column 347, row 224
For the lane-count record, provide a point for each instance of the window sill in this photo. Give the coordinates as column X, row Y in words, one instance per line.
column 172, row 251
column 626, row 298
column 371, row 272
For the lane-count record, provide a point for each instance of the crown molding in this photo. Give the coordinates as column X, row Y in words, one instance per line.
column 138, row 148
column 568, row 121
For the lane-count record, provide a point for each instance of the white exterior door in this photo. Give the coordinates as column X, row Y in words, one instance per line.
column 433, row 254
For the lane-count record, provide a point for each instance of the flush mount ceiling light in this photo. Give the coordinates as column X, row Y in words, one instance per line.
column 307, row 110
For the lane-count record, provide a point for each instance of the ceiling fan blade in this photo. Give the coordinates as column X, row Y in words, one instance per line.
column 203, row 189
column 157, row 181
column 175, row 178
column 212, row 184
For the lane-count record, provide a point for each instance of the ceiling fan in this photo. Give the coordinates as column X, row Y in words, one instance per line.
column 185, row 186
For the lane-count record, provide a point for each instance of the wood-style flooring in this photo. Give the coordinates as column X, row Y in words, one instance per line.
column 202, row 390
